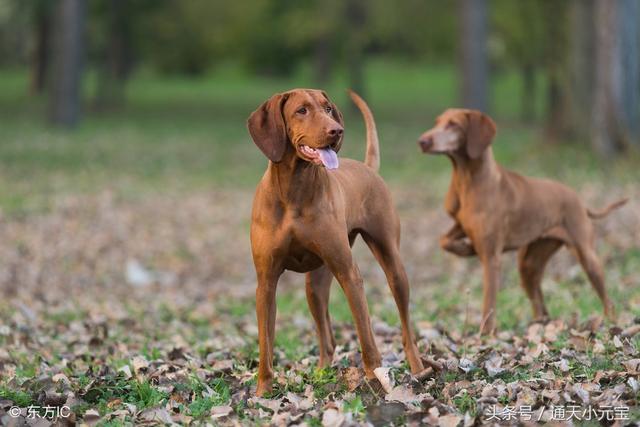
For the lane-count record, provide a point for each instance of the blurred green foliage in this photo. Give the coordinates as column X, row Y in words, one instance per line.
column 274, row 37
column 182, row 134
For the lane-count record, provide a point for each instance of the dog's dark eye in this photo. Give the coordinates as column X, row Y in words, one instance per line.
column 328, row 109
column 302, row 110
column 450, row 125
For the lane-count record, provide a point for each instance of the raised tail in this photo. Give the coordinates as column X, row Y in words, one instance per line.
column 372, row 156
column 607, row 210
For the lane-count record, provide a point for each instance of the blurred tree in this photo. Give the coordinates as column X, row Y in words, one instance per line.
column 356, row 19
column 276, row 35
column 41, row 12
column 615, row 111
column 520, row 27
column 472, row 39
column 67, row 61
column 116, row 43
column 179, row 36
column 555, row 55
column 581, row 69
column 15, row 26
column 414, row 29
column 326, row 34
column 629, row 16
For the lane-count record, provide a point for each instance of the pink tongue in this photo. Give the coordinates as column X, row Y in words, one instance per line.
column 328, row 157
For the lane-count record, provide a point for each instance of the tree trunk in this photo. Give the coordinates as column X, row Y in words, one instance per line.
column 528, row 93
column 40, row 60
column 614, row 110
column 629, row 17
column 68, row 48
column 356, row 20
column 558, row 117
column 557, row 109
column 116, row 62
column 473, row 56
column 322, row 61
column 323, row 45
column 581, row 66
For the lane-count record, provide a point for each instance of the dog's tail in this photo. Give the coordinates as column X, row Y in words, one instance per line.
column 372, row 156
column 607, row 210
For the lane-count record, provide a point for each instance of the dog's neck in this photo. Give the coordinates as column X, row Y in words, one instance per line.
column 295, row 181
column 468, row 171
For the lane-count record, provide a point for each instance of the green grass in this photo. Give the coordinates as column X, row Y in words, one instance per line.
column 465, row 403
column 18, row 397
column 183, row 134
column 216, row 393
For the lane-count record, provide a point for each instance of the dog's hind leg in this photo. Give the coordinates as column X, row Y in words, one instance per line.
column 532, row 260
column 582, row 236
column 385, row 249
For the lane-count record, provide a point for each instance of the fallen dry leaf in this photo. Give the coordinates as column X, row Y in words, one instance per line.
column 382, row 374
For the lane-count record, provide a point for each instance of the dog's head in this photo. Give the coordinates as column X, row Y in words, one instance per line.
column 304, row 121
column 467, row 132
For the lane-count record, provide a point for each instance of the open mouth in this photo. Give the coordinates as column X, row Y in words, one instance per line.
column 320, row 156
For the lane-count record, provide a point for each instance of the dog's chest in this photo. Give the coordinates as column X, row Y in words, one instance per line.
column 300, row 259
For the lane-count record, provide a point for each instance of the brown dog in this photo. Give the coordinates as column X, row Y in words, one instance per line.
column 496, row 210
column 308, row 210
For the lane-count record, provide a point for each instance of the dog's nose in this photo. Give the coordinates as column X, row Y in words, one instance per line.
column 426, row 143
column 335, row 132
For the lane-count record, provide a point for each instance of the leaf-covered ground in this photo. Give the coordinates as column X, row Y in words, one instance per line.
column 142, row 311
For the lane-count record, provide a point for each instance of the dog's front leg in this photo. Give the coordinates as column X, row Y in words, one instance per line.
column 491, row 283
column 266, row 314
column 457, row 242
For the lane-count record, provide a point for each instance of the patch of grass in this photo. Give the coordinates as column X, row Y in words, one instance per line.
column 26, row 370
column 216, row 393
column 200, row 407
column 18, row 397
column 114, row 423
column 465, row 403
column 151, row 353
column 81, row 408
column 354, row 406
column 140, row 393
column 288, row 340
column 66, row 316
column 238, row 307
column 291, row 302
column 320, row 379
column 338, row 306
column 207, row 395
column 313, row 422
column 323, row 380
column 510, row 375
column 598, row 364
column 144, row 395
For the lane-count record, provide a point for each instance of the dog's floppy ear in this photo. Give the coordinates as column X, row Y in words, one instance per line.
column 480, row 132
column 267, row 128
column 335, row 113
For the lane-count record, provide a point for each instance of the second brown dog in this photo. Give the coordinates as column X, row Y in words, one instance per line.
column 497, row 210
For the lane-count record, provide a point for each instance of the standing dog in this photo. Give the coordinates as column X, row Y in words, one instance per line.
column 496, row 210
column 307, row 211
